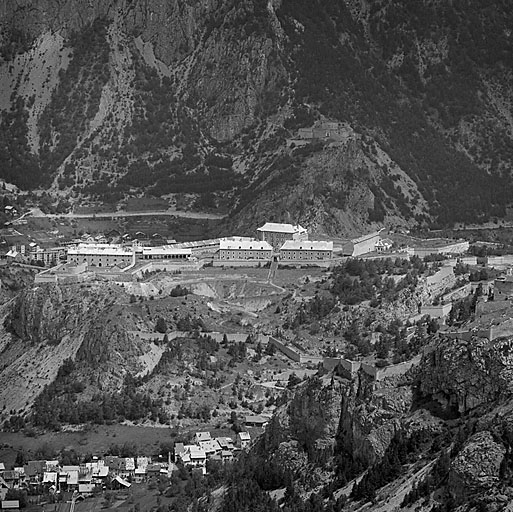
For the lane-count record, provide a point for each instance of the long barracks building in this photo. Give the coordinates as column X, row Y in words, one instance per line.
column 306, row 250
column 114, row 255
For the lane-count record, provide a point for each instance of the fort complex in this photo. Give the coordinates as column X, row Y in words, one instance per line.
column 125, row 257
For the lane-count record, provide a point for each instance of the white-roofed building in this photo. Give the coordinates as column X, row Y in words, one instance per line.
column 202, row 436
column 50, row 477
column 243, row 440
column 306, row 250
column 193, row 456
column 251, row 249
column 140, row 474
column 226, row 443
column 362, row 245
column 210, row 447
column 117, row 255
column 277, row 234
column 101, row 255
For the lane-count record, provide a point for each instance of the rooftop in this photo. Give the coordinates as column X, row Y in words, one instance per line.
column 282, row 228
column 254, row 245
column 203, row 436
column 363, row 238
column 165, row 249
column 307, row 245
column 100, row 249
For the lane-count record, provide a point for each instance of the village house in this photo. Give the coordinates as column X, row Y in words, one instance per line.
column 12, row 478
column 179, row 449
column 68, row 478
column 193, row 456
column 202, row 436
column 34, row 471
column 4, row 488
column 153, row 470
column 226, row 455
column 277, row 234
column 243, row 440
column 256, row 421
column 226, row 443
column 210, row 447
column 99, row 471
column 140, row 475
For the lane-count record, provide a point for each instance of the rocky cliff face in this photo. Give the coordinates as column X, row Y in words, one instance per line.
column 464, row 375
column 455, row 409
column 476, row 468
column 108, row 99
column 302, row 434
column 47, row 324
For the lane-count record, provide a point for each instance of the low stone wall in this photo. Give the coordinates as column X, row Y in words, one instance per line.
column 285, row 349
column 459, row 293
column 440, row 311
column 349, row 368
column 236, row 337
column 396, row 369
column 239, row 263
column 305, row 263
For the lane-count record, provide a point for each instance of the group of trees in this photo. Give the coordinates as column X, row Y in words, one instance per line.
column 357, row 87
column 358, row 280
column 462, row 310
column 399, row 452
column 76, row 99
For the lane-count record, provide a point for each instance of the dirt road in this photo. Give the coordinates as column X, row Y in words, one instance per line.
column 36, row 212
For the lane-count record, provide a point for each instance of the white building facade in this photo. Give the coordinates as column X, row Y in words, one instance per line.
column 277, row 234
column 101, row 255
column 244, row 250
column 115, row 255
column 294, row 250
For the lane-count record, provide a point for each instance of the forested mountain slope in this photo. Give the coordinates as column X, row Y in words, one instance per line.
column 111, row 98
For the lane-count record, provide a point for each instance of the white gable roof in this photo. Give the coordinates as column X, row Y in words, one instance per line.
column 245, row 245
column 282, row 228
column 306, row 245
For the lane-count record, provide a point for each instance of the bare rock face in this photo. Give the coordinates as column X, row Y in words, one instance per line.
column 476, row 468
column 309, row 421
column 462, row 375
column 370, row 419
column 83, row 322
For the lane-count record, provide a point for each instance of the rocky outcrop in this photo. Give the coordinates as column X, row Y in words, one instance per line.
column 47, row 324
column 371, row 417
column 310, row 419
column 462, row 375
column 475, row 470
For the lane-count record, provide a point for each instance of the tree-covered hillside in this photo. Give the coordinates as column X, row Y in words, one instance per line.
column 205, row 100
